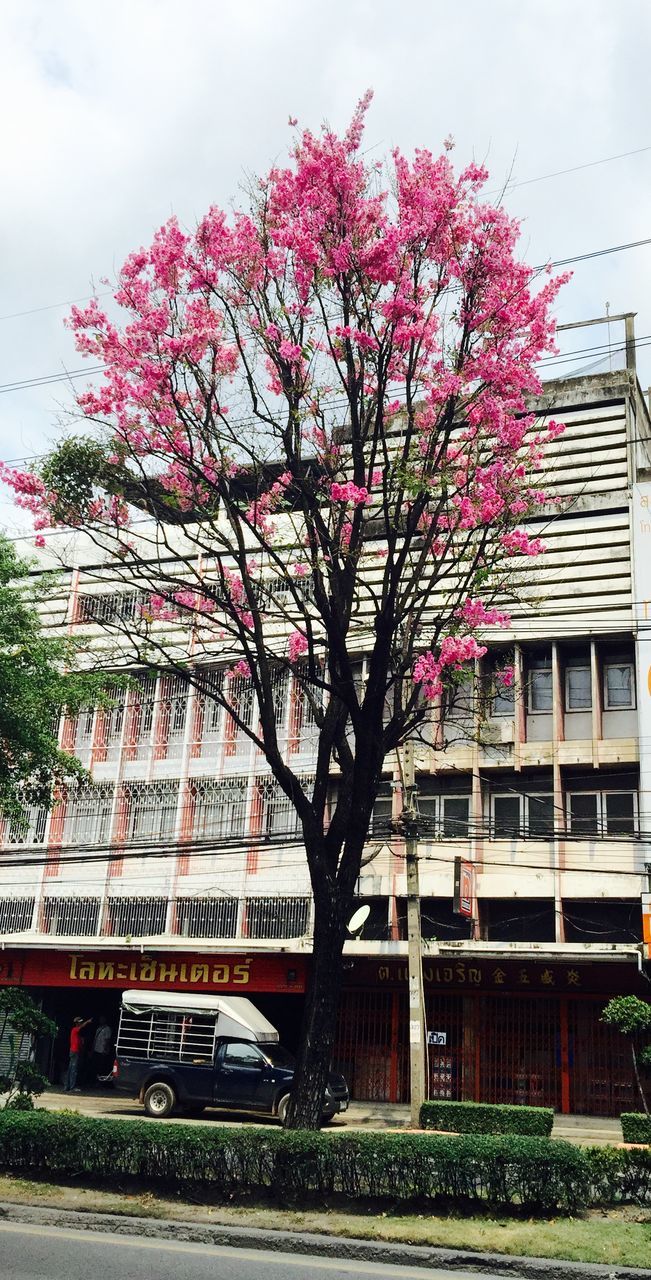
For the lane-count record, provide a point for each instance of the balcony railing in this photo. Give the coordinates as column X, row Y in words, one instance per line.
column 274, row 916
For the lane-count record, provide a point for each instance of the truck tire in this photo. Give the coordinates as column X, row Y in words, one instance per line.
column 159, row 1100
column 281, row 1109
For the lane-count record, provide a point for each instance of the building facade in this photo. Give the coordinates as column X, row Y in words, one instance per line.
column 181, row 865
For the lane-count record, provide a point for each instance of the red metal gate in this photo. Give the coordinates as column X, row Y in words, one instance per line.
column 601, row 1071
column 520, row 1050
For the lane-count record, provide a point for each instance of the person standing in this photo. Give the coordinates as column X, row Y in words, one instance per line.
column 102, row 1050
column 76, row 1043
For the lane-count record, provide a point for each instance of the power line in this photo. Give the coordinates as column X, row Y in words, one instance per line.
column 561, row 173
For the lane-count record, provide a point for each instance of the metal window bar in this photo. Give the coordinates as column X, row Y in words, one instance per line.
column 175, row 1037
column 241, row 696
column 172, row 715
column 135, row 917
column 277, row 917
column 206, row 917
column 71, row 917
column 219, row 808
column 82, row 744
column 210, row 716
column 31, row 830
column 112, row 721
column 140, row 720
column 110, row 606
column 16, row 914
column 275, row 813
column 88, row 814
column 150, row 810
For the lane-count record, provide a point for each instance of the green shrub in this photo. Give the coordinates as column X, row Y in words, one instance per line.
column 484, row 1117
column 617, row 1176
column 636, row 1126
column 487, row 1171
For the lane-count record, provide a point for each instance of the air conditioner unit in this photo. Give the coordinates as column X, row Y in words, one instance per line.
column 490, row 734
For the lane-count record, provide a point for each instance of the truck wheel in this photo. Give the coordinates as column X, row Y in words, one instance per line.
column 159, row 1100
column 281, row 1111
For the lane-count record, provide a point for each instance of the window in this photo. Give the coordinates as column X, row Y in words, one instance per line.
column 110, row 606
column 88, row 814
column 138, row 917
column 71, row 917
column 612, row 813
column 456, row 814
column 242, row 1055
column 277, row 917
column 619, row 813
column 516, row 815
column 540, row 811
column 220, row 808
column 506, row 816
column 618, row 685
column 382, row 814
column 151, row 810
column 583, row 811
column 503, row 699
column 27, row 829
column 578, row 689
column 206, row 917
column 540, row 689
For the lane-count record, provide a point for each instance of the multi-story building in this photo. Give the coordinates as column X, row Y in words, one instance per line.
column 181, row 865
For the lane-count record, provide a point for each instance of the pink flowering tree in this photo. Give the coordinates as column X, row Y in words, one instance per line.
column 310, row 449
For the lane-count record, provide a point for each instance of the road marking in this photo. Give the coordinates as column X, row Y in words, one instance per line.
column 248, row 1255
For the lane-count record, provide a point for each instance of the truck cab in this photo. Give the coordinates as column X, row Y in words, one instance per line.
column 186, row 1052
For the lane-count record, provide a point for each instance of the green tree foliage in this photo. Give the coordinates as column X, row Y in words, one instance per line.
column 39, row 677
column 21, row 1023
column 632, row 1017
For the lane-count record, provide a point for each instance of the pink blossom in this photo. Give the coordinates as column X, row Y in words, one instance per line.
column 241, row 669
column 475, row 614
column 348, row 492
column 297, row 645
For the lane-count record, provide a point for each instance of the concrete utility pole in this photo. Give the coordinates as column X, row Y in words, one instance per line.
column 417, row 1047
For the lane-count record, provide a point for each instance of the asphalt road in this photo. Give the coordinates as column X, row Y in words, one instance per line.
column 31, row 1252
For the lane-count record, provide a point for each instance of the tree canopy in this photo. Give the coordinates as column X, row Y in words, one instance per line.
column 37, row 681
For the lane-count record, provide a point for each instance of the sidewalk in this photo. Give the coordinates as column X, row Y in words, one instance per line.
column 360, row 1116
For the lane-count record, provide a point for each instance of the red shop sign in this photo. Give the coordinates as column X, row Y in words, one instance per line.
column 234, row 973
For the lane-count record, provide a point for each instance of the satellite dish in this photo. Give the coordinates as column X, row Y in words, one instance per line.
column 358, row 919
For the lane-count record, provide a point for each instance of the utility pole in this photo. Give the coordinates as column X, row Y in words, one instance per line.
column 417, row 1047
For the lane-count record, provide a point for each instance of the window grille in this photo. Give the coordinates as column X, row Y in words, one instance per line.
column 206, row 917
column 16, row 914
column 150, row 810
column 135, row 917
column 140, row 719
column 88, row 814
column 110, row 607
column 241, row 697
column 112, row 719
column 283, row 592
column 277, row 917
column 28, row 830
column 619, row 685
column 219, row 808
column 210, row 716
column 170, row 729
column 273, row 813
column 71, row 917
column 82, row 738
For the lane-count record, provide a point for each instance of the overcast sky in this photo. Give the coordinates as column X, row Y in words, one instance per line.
column 116, row 114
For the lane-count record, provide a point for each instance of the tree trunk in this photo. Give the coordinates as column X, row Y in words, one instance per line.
column 319, row 1018
column 637, row 1078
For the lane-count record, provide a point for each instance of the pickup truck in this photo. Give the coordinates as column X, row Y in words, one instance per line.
column 187, row 1052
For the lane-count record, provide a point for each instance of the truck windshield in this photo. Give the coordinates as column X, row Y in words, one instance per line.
column 276, row 1055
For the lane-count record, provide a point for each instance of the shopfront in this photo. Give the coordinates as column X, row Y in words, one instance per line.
column 510, row 1031
column 525, row 1031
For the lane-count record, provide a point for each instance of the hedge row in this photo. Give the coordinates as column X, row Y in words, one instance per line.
column 636, row 1126
column 483, row 1117
column 497, row 1172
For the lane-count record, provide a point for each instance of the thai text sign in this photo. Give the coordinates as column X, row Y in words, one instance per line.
column 176, row 972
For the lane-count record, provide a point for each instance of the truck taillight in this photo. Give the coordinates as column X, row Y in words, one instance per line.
column 115, row 1069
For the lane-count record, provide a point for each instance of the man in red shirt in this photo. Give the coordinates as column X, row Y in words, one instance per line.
column 78, row 1025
